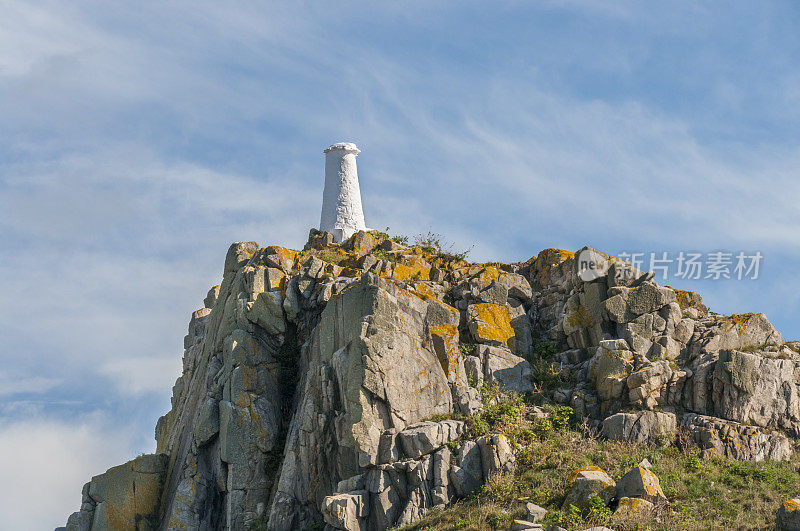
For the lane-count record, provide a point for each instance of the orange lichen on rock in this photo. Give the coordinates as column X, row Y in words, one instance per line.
column 490, row 323
column 415, row 268
column 738, row 321
column 689, row 299
column 445, row 345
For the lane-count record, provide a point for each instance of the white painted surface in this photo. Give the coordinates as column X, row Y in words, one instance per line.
column 342, row 214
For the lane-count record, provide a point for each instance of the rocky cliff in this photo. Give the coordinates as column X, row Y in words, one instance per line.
column 341, row 386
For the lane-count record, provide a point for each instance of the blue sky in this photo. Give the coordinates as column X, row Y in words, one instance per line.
column 138, row 141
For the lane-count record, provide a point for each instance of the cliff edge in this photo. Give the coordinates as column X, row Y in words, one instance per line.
column 349, row 386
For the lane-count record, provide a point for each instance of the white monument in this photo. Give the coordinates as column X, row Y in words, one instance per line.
column 342, row 214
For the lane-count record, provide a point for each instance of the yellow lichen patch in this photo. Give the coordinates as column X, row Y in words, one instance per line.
column 351, row 272
column 490, row 272
column 611, row 364
column 738, row 322
column 555, row 256
column 445, row 344
column 281, row 257
column 283, row 252
column 490, row 323
column 632, row 507
column 415, row 268
column 276, row 279
column 792, row 505
column 580, row 318
column 583, row 471
column 688, row 299
column 424, row 291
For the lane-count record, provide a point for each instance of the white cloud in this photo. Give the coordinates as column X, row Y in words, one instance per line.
column 46, row 462
column 35, row 384
column 139, row 375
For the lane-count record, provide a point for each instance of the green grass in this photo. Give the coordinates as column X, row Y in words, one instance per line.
column 702, row 494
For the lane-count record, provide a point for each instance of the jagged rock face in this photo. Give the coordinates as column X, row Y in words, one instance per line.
column 125, row 497
column 369, row 371
column 314, row 384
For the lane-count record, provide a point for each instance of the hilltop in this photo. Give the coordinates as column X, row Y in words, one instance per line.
column 378, row 383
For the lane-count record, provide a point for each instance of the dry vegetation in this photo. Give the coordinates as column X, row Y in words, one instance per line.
column 703, row 494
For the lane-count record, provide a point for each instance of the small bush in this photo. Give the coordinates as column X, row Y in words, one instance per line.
column 433, row 243
column 502, row 413
column 597, row 512
column 569, row 518
column 467, row 349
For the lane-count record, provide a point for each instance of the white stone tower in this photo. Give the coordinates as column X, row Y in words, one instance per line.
column 342, row 214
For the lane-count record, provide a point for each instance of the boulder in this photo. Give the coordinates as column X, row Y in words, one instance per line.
column 633, row 507
column 467, row 474
column 640, row 483
column 649, row 297
column 496, row 454
column 426, row 437
column 128, row 496
column 511, row 372
column 789, row 515
column 725, row 438
column 749, row 330
column 490, row 323
column 534, row 512
column 642, row 427
column 587, row 482
column 343, row 511
column 518, row 286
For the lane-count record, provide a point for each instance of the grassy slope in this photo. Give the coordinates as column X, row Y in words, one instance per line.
column 703, row 494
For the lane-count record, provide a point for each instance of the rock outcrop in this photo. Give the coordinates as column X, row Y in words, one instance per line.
column 331, row 386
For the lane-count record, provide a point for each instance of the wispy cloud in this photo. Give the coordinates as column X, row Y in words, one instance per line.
column 53, row 459
column 139, row 141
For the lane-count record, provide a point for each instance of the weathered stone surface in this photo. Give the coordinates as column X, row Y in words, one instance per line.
column 496, row 454
column 511, row 372
column 467, row 474
column 642, row 427
column 587, row 482
column 789, row 515
column 610, row 367
column 368, row 371
column 648, row 385
column 211, row 297
column 445, row 345
column 633, row 507
column 524, row 525
column 343, row 511
column 724, row 438
column 640, row 483
column 126, row 496
column 534, row 512
column 466, row 399
column 426, row 437
column 473, row 365
column 649, row 297
column 752, row 330
column 490, row 323
column 518, row 286
column 207, row 423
